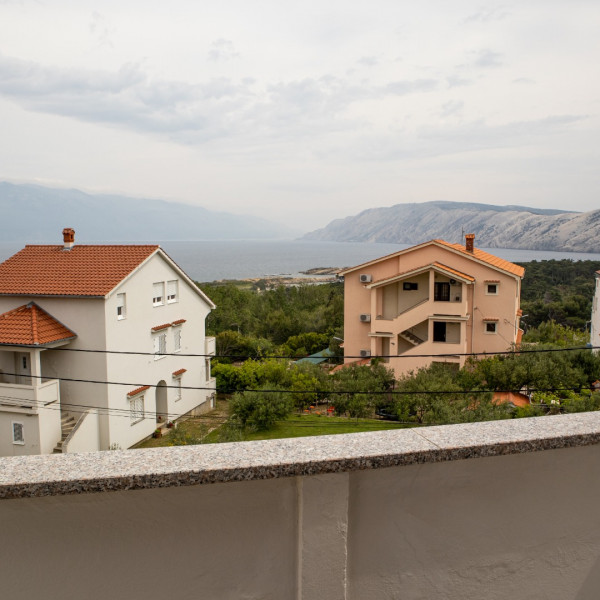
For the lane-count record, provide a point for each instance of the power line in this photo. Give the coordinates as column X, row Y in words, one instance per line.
column 274, row 356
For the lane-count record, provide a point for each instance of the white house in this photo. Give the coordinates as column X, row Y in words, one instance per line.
column 110, row 338
column 595, row 323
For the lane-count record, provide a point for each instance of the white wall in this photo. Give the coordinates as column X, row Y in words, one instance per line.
column 516, row 526
column 134, row 333
column 595, row 324
column 85, row 437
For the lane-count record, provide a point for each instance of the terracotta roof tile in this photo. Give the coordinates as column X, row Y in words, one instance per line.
column 138, row 391
column 81, row 271
column 159, row 327
column 178, row 322
column 490, row 259
column 416, row 270
column 179, row 372
column 455, row 271
column 33, row 326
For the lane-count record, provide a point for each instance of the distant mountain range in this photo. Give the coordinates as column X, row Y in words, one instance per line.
column 36, row 214
column 494, row 226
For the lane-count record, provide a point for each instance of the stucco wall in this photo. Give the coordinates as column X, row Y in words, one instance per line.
column 134, row 333
column 518, row 526
column 475, row 302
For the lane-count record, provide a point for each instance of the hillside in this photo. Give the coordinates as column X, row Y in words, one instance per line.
column 494, row 226
column 35, row 213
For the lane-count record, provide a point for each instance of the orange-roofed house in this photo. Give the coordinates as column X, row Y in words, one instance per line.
column 95, row 347
column 434, row 302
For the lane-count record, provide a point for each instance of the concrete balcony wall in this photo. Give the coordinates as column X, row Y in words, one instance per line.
column 488, row 510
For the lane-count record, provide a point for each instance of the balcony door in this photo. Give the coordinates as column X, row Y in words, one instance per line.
column 441, row 291
column 23, row 368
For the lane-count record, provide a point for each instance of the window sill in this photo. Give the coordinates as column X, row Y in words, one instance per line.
column 160, row 356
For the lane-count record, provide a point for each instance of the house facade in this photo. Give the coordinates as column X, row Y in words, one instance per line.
column 595, row 319
column 434, row 302
column 133, row 353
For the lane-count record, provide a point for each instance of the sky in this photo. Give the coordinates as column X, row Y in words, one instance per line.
column 303, row 112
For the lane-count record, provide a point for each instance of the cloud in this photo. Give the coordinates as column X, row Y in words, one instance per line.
column 488, row 14
column 100, row 28
column 221, row 50
column 484, row 59
column 451, row 108
column 368, row 61
column 401, row 88
column 433, row 141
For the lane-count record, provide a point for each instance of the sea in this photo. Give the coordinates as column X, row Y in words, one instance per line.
column 208, row 261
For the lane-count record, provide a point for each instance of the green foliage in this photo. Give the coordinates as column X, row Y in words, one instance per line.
column 304, row 344
column 360, row 389
column 435, row 395
column 554, row 333
column 279, row 314
column 558, row 290
column 259, row 410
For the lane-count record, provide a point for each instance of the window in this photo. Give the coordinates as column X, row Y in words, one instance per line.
column 207, row 368
column 18, row 430
column 491, row 289
column 158, row 293
column 121, row 307
column 441, row 291
column 172, row 291
column 439, row 331
column 409, row 285
column 491, row 327
column 24, row 363
column 160, row 345
column 176, row 339
column 136, row 409
column 177, row 389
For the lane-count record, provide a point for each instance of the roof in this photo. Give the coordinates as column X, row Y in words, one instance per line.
column 317, row 357
column 31, row 325
column 82, row 271
column 477, row 254
column 485, row 257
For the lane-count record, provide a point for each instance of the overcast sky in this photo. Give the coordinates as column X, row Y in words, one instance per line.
column 307, row 111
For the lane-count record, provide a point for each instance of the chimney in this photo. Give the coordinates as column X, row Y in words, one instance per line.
column 68, row 238
column 469, row 241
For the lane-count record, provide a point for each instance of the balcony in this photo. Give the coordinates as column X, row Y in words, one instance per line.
column 28, row 398
column 459, row 511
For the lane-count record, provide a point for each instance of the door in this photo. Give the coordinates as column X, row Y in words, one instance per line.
column 439, row 331
column 23, row 368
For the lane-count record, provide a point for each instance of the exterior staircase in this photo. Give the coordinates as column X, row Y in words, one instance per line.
column 411, row 338
column 67, row 423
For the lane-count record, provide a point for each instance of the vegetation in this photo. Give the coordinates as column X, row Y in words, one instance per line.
column 559, row 291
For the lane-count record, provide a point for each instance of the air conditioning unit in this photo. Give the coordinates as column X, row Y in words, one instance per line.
column 365, row 278
column 365, row 318
column 365, row 353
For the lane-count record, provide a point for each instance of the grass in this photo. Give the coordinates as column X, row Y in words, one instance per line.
column 310, row 425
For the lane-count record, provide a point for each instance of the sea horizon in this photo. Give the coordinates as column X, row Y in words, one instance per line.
column 207, row 261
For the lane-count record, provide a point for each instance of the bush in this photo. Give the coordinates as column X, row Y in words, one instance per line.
column 260, row 409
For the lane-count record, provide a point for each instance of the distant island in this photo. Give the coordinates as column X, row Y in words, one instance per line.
column 517, row 227
column 35, row 214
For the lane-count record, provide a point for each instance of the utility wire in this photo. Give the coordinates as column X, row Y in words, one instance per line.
column 372, row 356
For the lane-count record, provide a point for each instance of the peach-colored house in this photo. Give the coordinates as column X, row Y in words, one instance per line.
column 436, row 299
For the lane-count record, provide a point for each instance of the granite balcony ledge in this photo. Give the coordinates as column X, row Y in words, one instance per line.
column 48, row 475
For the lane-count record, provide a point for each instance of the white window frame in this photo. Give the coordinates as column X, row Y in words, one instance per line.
column 485, row 327
column 20, row 439
column 121, row 306
column 496, row 286
column 136, row 409
column 172, row 291
column 160, row 345
column 158, row 293
column 177, row 338
column 207, row 368
column 178, row 390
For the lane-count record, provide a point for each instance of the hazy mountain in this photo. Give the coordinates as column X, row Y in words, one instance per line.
column 36, row 214
column 494, row 226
